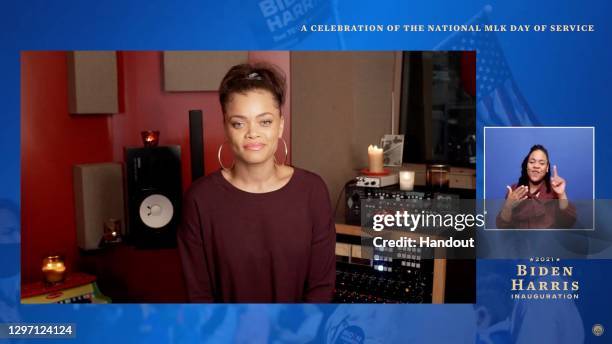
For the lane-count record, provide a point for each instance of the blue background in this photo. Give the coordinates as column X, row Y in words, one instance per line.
column 571, row 149
column 563, row 78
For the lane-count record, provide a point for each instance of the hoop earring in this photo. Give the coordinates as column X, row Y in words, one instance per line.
column 286, row 151
column 219, row 158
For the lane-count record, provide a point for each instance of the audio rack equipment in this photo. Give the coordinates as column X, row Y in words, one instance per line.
column 381, row 275
column 366, row 274
column 421, row 199
column 377, row 181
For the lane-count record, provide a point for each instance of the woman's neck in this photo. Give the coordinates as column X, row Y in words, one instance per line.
column 534, row 187
column 254, row 177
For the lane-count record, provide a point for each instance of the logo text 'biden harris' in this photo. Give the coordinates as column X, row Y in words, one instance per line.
column 541, row 280
column 280, row 14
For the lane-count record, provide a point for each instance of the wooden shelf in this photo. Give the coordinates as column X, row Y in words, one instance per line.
column 342, row 228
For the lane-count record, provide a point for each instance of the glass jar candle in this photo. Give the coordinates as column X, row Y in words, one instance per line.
column 406, row 180
column 438, row 176
column 54, row 269
column 150, row 138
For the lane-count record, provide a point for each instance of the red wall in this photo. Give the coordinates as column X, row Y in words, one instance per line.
column 53, row 140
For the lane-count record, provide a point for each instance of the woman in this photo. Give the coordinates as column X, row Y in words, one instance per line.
column 538, row 200
column 257, row 231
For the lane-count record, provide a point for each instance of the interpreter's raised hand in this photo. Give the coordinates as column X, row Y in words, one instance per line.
column 557, row 183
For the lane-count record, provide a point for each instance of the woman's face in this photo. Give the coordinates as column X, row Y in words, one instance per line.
column 253, row 125
column 537, row 166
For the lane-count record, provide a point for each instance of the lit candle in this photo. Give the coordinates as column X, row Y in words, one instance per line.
column 406, row 180
column 54, row 269
column 150, row 138
column 375, row 159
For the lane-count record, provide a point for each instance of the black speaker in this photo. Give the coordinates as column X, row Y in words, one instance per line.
column 153, row 178
column 196, row 143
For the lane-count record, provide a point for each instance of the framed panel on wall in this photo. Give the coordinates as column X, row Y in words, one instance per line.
column 186, row 71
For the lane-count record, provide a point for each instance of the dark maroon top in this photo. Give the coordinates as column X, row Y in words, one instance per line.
column 279, row 246
column 539, row 211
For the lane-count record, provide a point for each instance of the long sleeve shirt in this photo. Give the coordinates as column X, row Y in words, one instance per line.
column 539, row 211
column 237, row 246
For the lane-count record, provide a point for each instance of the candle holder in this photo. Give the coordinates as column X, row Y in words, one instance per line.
column 150, row 138
column 438, row 176
column 54, row 269
column 111, row 232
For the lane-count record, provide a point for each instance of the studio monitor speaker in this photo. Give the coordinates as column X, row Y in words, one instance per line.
column 153, row 178
column 98, row 196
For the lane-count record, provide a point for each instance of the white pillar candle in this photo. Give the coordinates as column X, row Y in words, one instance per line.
column 406, row 180
column 375, row 159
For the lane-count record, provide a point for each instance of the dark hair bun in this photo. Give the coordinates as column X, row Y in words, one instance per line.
column 252, row 76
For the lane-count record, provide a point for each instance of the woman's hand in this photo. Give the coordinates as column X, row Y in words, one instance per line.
column 513, row 198
column 516, row 196
column 558, row 184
